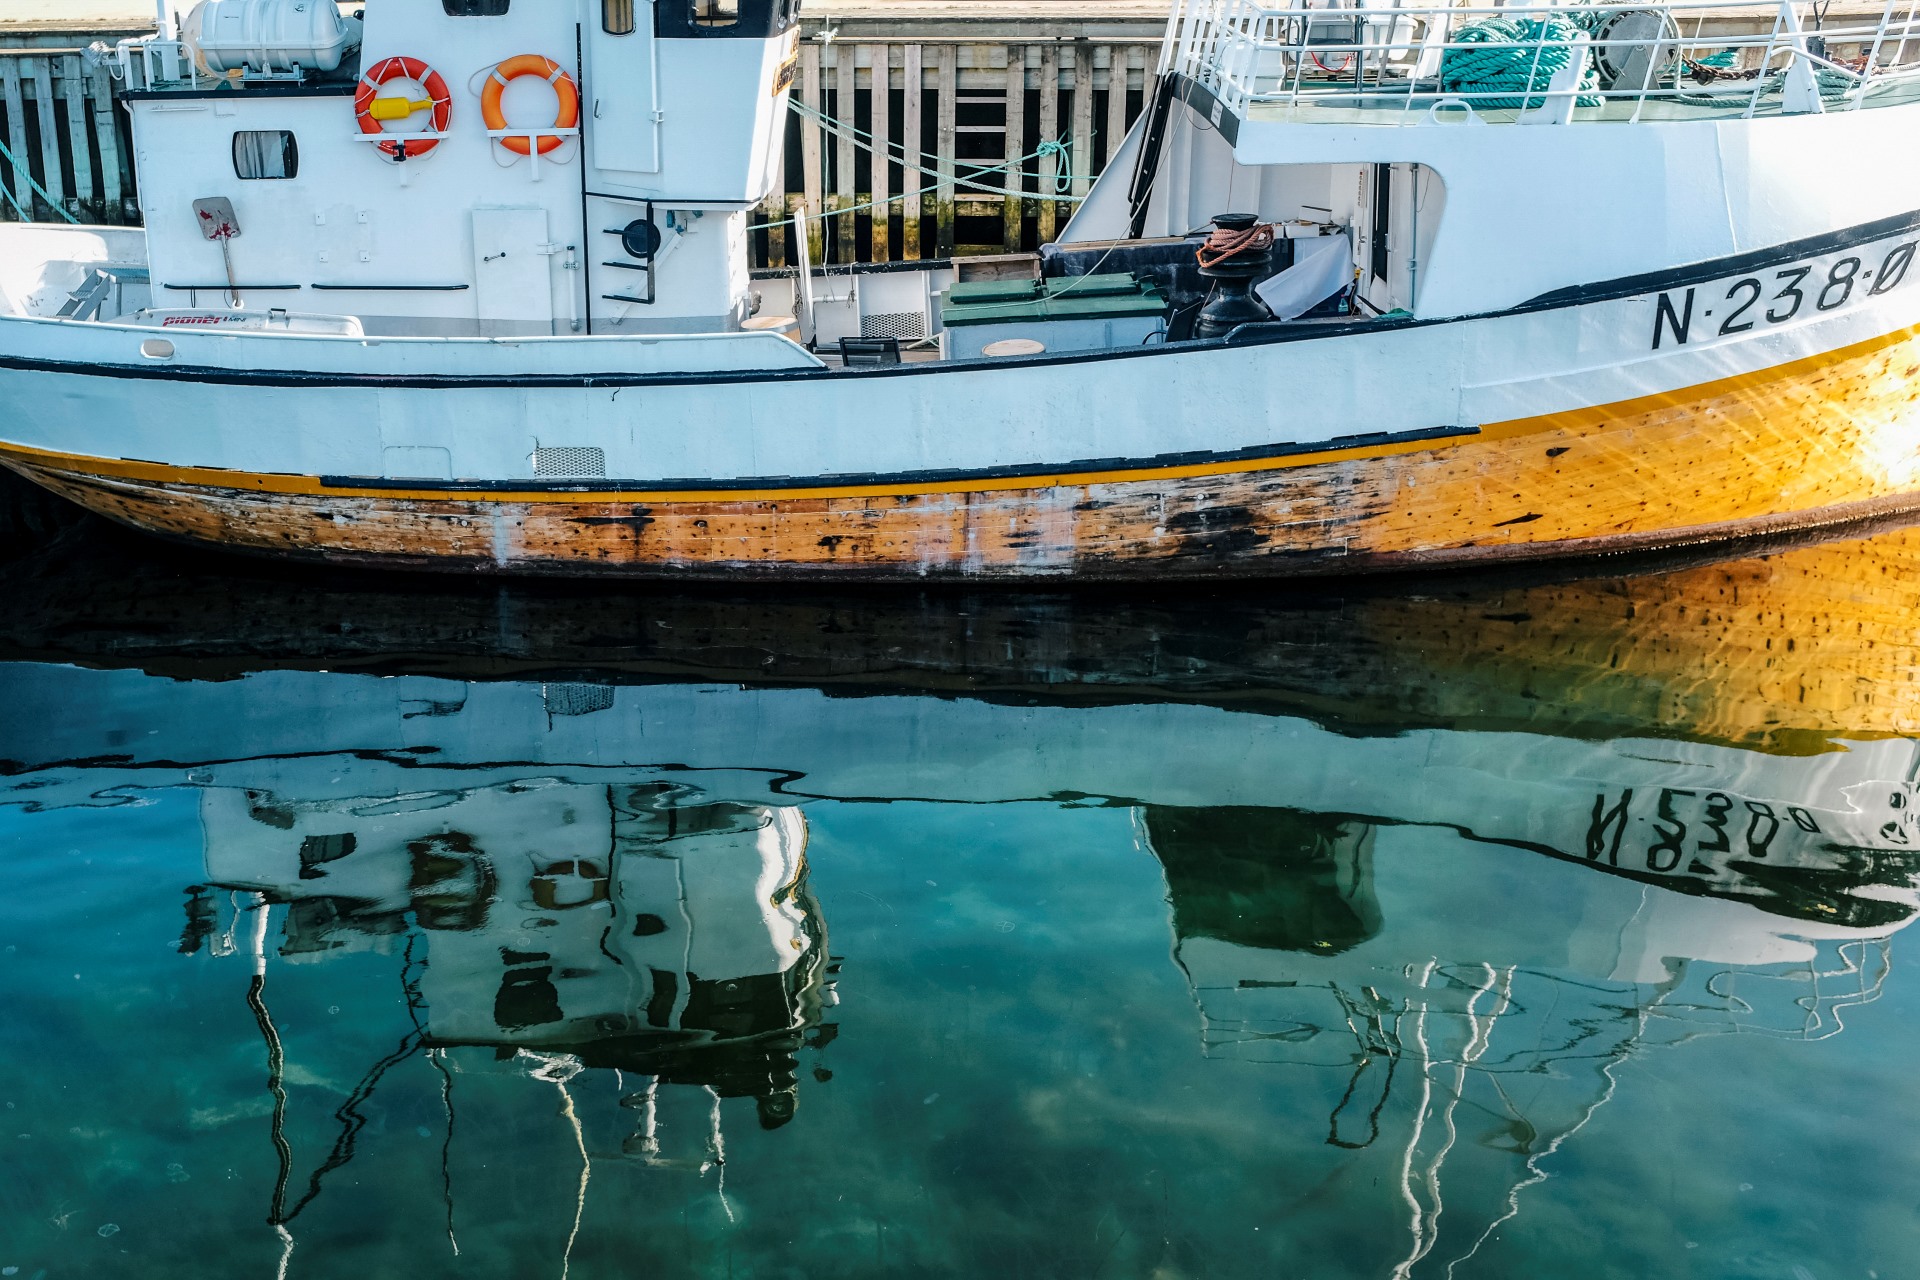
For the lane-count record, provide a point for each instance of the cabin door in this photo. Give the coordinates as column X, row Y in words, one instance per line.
column 512, row 272
column 622, row 97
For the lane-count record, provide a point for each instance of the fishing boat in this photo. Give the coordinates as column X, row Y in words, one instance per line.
column 466, row 287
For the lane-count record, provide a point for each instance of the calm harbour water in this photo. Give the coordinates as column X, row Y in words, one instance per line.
column 1524, row 927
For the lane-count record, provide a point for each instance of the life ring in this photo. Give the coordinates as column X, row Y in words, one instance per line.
column 371, row 109
column 530, row 64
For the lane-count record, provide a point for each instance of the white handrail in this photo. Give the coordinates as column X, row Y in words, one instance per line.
column 1364, row 55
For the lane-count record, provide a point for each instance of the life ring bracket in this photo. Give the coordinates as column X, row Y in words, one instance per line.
column 534, row 141
column 369, row 108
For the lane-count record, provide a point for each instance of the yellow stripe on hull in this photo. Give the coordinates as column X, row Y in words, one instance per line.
column 1818, row 440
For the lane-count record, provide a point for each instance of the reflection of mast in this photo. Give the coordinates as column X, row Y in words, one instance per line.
column 276, row 1075
column 1512, row 1048
column 438, row 1057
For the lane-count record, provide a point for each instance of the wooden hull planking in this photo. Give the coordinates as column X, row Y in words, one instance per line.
column 1820, row 440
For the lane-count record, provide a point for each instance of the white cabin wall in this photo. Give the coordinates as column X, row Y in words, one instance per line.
column 1200, row 177
column 1293, row 192
column 1416, row 205
column 719, row 146
column 1195, row 167
column 700, row 274
column 1632, row 199
column 353, row 216
column 1346, row 202
column 1427, row 210
column 349, row 216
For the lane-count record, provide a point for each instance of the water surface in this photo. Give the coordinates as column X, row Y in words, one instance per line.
column 1498, row 927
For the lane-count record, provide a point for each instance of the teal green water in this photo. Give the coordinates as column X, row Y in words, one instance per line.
column 365, row 961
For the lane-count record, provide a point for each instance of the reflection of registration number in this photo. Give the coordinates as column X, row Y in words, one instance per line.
column 1756, row 300
column 1713, row 822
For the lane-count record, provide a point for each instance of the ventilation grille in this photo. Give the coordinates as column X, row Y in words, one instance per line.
column 894, row 324
column 570, row 464
column 576, row 699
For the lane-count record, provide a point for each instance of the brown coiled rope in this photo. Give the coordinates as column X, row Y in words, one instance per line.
column 1224, row 244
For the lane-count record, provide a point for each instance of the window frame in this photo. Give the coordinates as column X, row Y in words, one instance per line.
column 289, row 155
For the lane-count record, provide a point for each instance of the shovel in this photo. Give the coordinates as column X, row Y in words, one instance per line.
column 217, row 222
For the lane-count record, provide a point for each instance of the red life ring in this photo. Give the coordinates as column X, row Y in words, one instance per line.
column 399, row 146
column 530, row 64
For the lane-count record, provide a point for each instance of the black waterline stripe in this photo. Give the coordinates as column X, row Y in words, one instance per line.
column 904, row 478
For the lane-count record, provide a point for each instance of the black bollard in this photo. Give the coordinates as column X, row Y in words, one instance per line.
column 1231, row 302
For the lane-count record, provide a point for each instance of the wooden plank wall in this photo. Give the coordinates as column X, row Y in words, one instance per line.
column 962, row 125
column 60, row 124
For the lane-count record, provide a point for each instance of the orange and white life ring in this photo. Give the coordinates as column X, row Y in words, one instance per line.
column 371, row 109
column 530, row 64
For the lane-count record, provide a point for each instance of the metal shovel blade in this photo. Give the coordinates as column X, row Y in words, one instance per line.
column 217, row 222
column 216, row 217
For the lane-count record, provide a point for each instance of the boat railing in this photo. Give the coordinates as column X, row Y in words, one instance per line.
column 1381, row 62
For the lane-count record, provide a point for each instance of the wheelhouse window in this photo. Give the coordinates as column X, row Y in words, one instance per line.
column 475, row 8
column 726, row 19
column 265, row 154
column 616, row 17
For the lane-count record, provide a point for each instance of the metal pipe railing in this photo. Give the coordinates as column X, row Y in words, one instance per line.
column 1252, row 53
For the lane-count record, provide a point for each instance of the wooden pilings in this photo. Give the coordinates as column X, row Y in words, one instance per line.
column 59, row 123
column 932, row 148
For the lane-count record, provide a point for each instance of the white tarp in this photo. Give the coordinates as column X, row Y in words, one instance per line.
column 1321, row 268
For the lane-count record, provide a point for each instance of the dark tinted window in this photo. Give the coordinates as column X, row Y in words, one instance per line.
column 738, row 19
column 265, row 153
column 475, row 8
column 616, row 17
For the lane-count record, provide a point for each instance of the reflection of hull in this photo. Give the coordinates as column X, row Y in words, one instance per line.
column 1805, row 830
column 1784, row 651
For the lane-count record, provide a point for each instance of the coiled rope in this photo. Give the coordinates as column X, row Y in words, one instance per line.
column 1520, row 56
column 1227, row 242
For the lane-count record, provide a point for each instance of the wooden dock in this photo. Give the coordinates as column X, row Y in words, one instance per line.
column 993, row 117
column 67, row 145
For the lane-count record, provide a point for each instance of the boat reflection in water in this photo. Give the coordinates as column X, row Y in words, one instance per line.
column 560, row 927
column 1458, row 1053
column 1446, row 917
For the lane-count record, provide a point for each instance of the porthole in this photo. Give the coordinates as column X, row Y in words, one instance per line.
column 640, row 238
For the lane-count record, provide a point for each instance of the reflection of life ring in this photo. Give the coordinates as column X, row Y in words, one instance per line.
column 547, row 886
column 530, row 64
column 372, row 109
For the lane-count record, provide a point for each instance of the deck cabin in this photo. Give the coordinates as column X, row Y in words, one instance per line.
column 385, row 175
